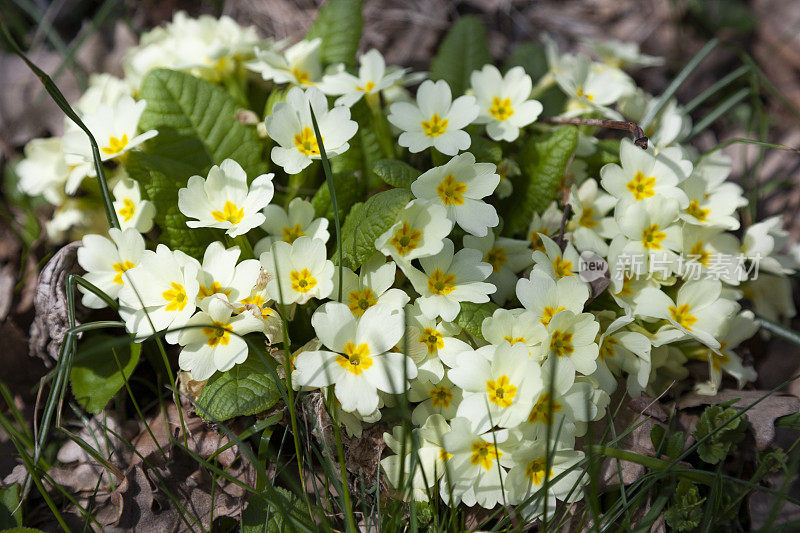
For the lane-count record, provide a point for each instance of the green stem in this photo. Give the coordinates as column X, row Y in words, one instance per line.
column 244, row 246
column 382, row 130
column 544, row 83
column 652, row 463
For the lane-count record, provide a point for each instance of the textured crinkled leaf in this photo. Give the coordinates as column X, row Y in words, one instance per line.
column 339, row 25
column 197, row 128
column 96, row 377
column 464, row 49
column 543, row 161
column 245, row 389
column 472, row 315
column 349, row 190
column 368, row 221
column 396, row 173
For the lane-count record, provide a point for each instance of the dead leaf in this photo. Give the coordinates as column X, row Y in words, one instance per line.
column 51, row 322
column 761, row 416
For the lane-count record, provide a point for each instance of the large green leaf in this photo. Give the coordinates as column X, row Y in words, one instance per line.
column 472, row 316
column 197, row 128
column 245, row 389
column 543, row 161
column 100, row 369
column 349, row 190
column 369, row 220
column 396, row 173
column 464, row 49
column 339, row 25
column 259, row 513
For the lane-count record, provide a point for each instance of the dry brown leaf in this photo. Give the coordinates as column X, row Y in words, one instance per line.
column 51, row 322
column 761, row 416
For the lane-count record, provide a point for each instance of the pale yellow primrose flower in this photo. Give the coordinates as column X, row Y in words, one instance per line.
column 436, row 120
column 224, row 201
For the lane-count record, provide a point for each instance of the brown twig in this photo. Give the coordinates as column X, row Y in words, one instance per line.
column 640, row 139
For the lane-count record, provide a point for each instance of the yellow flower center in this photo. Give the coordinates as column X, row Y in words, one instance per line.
column 697, row 212
column 220, row 334
column 176, row 297
column 501, row 109
column 292, row 233
column 501, row 392
column 587, row 218
column 536, row 471
column 539, row 411
column 441, row 396
column 561, row 343
column 432, row 339
column 514, row 340
column 441, row 283
column 360, row 301
column 548, row 312
column 357, row 358
column 214, row 288
column 116, row 145
column 451, row 191
column 607, row 349
column 302, row 77
column 497, row 258
column 435, row 126
column 719, row 359
column 306, row 142
column 682, row 316
column 484, row 454
column 367, row 87
column 128, row 209
column 580, row 93
column 119, row 268
column 700, row 255
column 443, row 455
column 652, row 237
column 230, row 213
column 642, row 187
column 561, row 267
column 627, row 286
column 302, row 281
column 536, row 240
column 405, row 239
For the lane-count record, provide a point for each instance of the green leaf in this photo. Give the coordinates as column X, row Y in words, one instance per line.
column 715, row 447
column 349, row 190
column 543, row 161
column 486, row 151
column 96, row 375
column 464, row 49
column 532, row 57
column 197, row 129
column 246, row 389
column 364, row 151
column 472, row 315
column 369, row 220
column 9, row 500
column 607, row 151
column 685, row 512
column 259, row 512
column 396, row 173
column 338, row 24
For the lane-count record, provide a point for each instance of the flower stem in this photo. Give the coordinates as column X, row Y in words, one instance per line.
column 381, row 125
column 244, row 246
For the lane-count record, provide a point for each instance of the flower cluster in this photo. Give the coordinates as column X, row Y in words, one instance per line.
column 497, row 403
